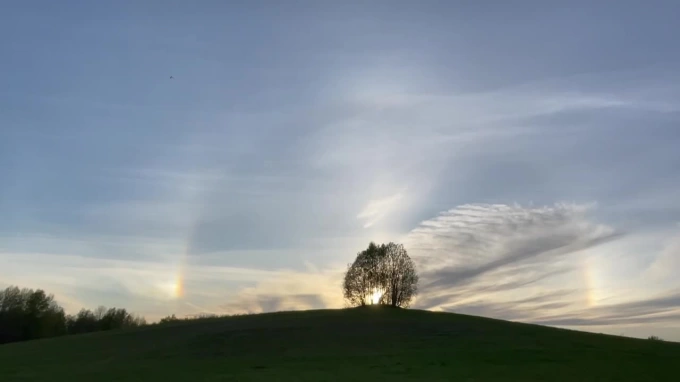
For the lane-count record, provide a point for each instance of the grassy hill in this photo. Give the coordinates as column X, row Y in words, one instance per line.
column 365, row 344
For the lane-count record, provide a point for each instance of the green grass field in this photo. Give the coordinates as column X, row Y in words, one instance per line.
column 364, row 344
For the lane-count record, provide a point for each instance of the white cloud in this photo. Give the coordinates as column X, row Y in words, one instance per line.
column 288, row 290
column 552, row 265
column 377, row 209
column 499, row 251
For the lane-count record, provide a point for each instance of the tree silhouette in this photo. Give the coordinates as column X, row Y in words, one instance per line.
column 402, row 279
column 27, row 314
column 382, row 274
column 83, row 322
column 116, row 318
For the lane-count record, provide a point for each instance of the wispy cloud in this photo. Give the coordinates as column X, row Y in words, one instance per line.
column 288, row 290
column 474, row 250
column 533, row 264
column 663, row 309
column 396, row 125
column 506, row 261
column 377, row 209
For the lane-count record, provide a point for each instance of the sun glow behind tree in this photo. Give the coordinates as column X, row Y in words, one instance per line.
column 382, row 274
column 376, row 296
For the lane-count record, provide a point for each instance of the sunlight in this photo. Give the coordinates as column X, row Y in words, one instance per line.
column 173, row 289
column 178, row 288
column 375, row 297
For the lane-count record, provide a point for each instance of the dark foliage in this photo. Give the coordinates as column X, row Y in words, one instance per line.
column 195, row 317
column 169, row 319
column 102, row 319
column 382, row 274
column 27, row 314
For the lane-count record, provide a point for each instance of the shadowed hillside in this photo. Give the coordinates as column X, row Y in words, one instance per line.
column 362, row 344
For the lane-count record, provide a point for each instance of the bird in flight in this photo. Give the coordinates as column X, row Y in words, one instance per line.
column 171, row 77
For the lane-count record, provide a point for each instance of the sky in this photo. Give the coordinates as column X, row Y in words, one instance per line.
column 526, row 154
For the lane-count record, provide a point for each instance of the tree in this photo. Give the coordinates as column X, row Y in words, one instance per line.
column 361, row 279
column 168, row 319
column 116, row 318
column 382, row 274
column 29, row 314
column 83, row 322
column 43, row 316
column 402, row 279
column 99, row 312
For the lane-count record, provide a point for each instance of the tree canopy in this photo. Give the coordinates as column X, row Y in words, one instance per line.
column 27, row 314
column 382, row 274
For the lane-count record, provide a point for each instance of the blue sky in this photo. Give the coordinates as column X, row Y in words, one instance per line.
column 526, row 155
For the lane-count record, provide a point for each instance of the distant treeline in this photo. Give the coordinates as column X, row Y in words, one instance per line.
column 173, row 318
column 27, row 314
